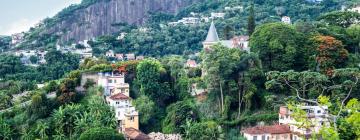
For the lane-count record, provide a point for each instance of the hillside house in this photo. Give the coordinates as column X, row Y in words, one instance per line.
column 135, row 134
column 130, row 56
column 355, row 9
column 17, row 38
column 316, row 114
column 140, row 57
column 217, row 15
column 119, row 56
column 110, row 53
column 286, row 19
column 190, row 63
column 125, row 113
column 288, row 129
column 272, row 132
column 113, row 83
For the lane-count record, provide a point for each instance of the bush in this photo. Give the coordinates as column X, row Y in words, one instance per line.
column 101, row 133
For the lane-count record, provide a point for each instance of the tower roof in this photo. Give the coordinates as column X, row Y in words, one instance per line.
column 212, row 35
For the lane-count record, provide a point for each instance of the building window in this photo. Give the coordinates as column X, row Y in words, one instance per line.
column 109, row 81
column 254, row 137
column 132, row 119
column 117, row 103
column 319, row 111
column 263, row 137
column 114, row 81
column 268, row 138
column 277, row 137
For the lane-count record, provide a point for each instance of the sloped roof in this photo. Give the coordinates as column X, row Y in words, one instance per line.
column 272, row 129
column 119, row 96
column 135, row 134
column 212, row 35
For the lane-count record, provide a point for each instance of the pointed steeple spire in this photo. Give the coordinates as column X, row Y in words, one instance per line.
column 212, row 35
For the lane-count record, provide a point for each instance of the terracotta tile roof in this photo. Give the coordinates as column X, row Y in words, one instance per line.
column 119, row 96
column 191, row 63
column 272, row 129
column 135, row 134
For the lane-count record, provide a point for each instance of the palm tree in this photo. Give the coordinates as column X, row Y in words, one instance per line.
column 26, row 134
column 5, row 130
column 59, row 135
column 41, row 129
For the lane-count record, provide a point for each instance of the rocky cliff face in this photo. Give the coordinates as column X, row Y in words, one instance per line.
column 99, row 18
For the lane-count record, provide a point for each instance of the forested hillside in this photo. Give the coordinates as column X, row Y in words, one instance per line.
column 184, row 88
column 179, row 40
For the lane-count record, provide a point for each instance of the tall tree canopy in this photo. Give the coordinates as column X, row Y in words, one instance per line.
column 277, row 45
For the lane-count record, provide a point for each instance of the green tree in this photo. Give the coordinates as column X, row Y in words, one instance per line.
column 42, row 128
column 145, row 107
column 228, row 32
column 6, row 131
column 341, row 18
column 208, row 130
column 318, row 89
column 354, row 32
column 33, row 59
column 101, row 133
column 148, row 74
column 177, row 114
column 277, row 45
column 251, row 21
column 40, row 107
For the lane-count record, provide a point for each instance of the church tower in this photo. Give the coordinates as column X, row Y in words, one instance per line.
column 212, row 37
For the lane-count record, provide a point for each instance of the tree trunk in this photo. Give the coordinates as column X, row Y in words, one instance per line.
column 241, row 91
column 222, row 97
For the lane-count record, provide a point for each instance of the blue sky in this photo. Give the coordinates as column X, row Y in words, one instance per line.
column 19, row 15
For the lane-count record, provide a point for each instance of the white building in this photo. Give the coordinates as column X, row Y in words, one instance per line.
column 110, row 53
column 317, row 116
column 17, row 38
column 113, row 83
column 217, row 15
column 286, row 19
column 126, row 115
column 288, row 128
column 121, row 36
column 355, row 9
column 189, row 20
column 234, row 8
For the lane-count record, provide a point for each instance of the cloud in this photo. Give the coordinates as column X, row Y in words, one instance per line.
column 19, row 26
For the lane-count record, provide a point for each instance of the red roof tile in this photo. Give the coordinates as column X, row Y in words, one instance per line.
column 135, row 134
column 119, row 96
column 272, row 129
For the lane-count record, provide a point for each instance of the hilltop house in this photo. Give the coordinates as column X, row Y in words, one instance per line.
column 212, row 38
column 288, row 129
